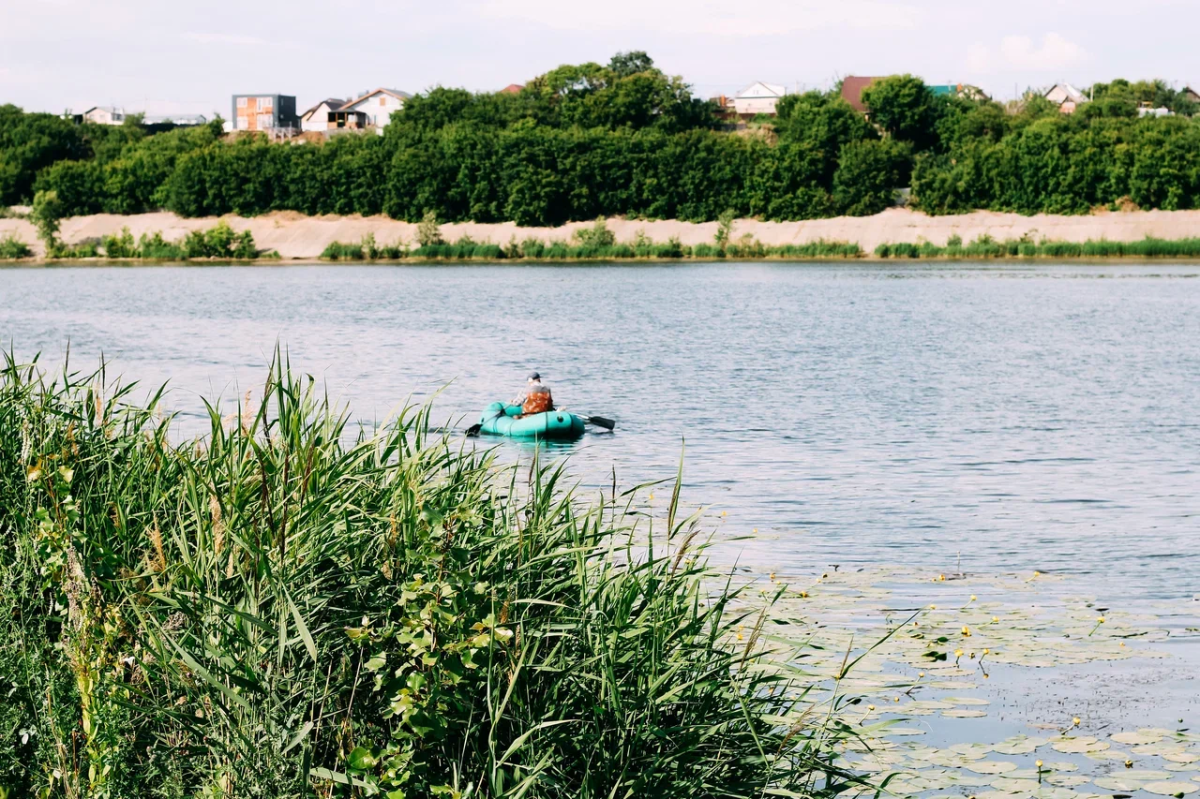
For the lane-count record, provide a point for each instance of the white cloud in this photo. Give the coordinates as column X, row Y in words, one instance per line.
column 225, row 38
column 1055, row 52
column 1019, row 53
column 706, row 17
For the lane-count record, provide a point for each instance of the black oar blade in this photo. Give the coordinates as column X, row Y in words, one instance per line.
column 600, row 421
column 474, row 429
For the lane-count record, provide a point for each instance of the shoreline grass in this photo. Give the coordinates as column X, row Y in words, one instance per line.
column 223, row 246
column 290, row 606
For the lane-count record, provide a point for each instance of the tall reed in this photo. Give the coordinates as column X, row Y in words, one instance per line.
column 294, row 605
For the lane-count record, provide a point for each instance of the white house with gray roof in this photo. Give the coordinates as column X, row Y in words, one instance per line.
column 758, row 98
column 377, row 105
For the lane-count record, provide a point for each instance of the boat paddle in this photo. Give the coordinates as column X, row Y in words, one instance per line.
column 600, row 421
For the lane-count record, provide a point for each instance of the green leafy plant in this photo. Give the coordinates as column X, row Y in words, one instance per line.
column 287, row 605
column 429, row 232
column 12, row 248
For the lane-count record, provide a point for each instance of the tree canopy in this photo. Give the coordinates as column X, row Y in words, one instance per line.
column 625, row 138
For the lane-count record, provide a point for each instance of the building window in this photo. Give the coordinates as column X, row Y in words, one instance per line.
column 265, row 102
column 241, row 102
column 383, row 100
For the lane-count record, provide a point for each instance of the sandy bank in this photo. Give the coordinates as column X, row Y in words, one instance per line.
column 300, row 237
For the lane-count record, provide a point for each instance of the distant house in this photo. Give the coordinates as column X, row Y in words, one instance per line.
column 317, row 117
column 377, row 106
column 264, row 112
column 1190, row 94
column 349, row 120
column 512, row 88
column 852, row 89
column 178, row 120
column 758, row 98
column 1066, row 97
column 963, row 90
column 103, row 115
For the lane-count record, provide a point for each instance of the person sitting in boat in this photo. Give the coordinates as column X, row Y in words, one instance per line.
column 537, row 397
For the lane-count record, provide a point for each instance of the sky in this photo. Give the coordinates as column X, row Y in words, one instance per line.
column 175, row 56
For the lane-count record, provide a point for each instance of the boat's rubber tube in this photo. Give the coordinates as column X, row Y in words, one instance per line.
column 502, row 420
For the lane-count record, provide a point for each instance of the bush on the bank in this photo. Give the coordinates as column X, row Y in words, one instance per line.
column 287, row 606
column 220, row 242
column 12, row 248
column 641, row 247
column 987, row 247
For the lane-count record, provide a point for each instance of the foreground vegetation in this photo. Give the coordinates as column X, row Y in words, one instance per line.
column 289, row 606
column 624, row 139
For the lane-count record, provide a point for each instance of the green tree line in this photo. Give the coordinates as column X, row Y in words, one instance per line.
column 625, row 139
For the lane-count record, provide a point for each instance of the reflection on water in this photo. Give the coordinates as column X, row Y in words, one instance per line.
column 1016, row 418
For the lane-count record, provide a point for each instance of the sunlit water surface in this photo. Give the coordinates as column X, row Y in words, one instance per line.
column 1003, row 418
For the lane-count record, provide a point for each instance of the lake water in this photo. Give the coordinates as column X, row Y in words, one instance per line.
column 1018, row 418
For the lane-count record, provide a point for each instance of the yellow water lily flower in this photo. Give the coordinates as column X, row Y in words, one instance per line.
column 1075, row 721
column 1038, row 764
column 966, row 631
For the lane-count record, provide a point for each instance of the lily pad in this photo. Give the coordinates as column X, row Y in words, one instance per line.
column 1079, row 746
column 904, row 731
column 1139, row 737
column 1181, row 757
column 992, row 766
column 1019, row 745
column 1016, row 786
column 1121, row 784
column 1170, row 788
column 959, row 713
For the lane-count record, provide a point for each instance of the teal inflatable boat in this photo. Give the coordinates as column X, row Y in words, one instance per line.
column 501, row 420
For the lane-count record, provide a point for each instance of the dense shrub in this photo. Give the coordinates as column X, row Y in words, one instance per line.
column 12, row 248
